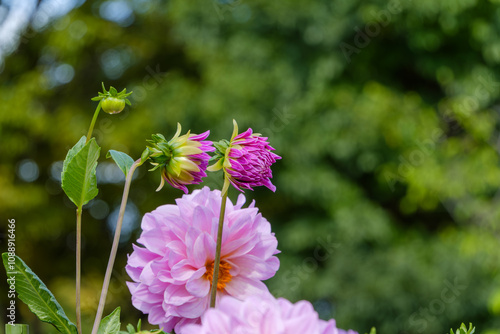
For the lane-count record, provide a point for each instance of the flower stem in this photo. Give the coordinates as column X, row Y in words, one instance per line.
column 114, row 248
column 94, row 119
column 79, row 239
column 78, row 267
column 217, row 250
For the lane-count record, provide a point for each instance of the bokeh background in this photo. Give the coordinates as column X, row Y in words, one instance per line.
column 386, row 115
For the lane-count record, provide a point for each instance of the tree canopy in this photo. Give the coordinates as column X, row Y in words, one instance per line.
column 385, row 113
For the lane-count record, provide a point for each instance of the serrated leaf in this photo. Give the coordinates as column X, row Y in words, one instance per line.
column 122, row 160
column 111, row 323
column 78, row 177
column 34, row 293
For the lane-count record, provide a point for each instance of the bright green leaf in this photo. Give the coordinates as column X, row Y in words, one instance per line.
column 123, row 160
column 111, row 323
column 139, row 325
column 463, row 329
column 78, row 176
column 34, row 293
column 72, row 152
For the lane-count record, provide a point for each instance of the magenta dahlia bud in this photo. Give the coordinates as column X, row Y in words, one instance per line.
column 246, row 160
column 183, row 160
column 261, row 313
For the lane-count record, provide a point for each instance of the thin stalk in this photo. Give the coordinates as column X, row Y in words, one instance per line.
column 94, row 119
column 78, row 268
column 79, row 239
column 114, row 248
column 217, row 250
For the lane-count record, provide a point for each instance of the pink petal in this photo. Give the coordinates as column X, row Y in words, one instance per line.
column 243, row 287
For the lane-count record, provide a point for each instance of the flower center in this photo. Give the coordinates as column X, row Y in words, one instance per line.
column 224, row 275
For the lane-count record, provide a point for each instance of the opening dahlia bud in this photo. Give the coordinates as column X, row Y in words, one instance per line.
column 246, row 160
column 182, row 160
column 112, row 101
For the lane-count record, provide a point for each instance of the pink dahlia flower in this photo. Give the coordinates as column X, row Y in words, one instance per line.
column 262, row 314
column 173, row 272
column 246, row 160
column 183, row 159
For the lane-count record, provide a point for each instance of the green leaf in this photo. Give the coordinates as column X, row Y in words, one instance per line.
column 463, row 329
column 130, row 328
column 34, row 293
column 72, row 152
column 139, row 325
column 123, row 160
column 78, row 175
column 111, row 323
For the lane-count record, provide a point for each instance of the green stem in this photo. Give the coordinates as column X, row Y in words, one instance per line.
column 217, row 250
column 17, row 329
column 94, row 119
column 79, row 238
column 114, row 248
column 78, row 267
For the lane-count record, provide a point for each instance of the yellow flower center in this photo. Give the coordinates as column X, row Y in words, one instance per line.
column 224, row 275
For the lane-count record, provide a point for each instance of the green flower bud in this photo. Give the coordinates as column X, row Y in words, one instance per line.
column 112, row 102
column 112, row 105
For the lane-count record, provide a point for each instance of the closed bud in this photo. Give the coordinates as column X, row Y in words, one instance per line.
column 112, row 101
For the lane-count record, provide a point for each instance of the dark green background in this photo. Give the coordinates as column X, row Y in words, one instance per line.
column 386, row 115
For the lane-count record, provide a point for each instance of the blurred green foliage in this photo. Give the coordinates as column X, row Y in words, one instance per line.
column 387, row 204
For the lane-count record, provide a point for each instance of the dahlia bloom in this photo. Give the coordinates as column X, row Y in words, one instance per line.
column 246, row 160
column 262, row 314
column 172, row 273
column 183, row 160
